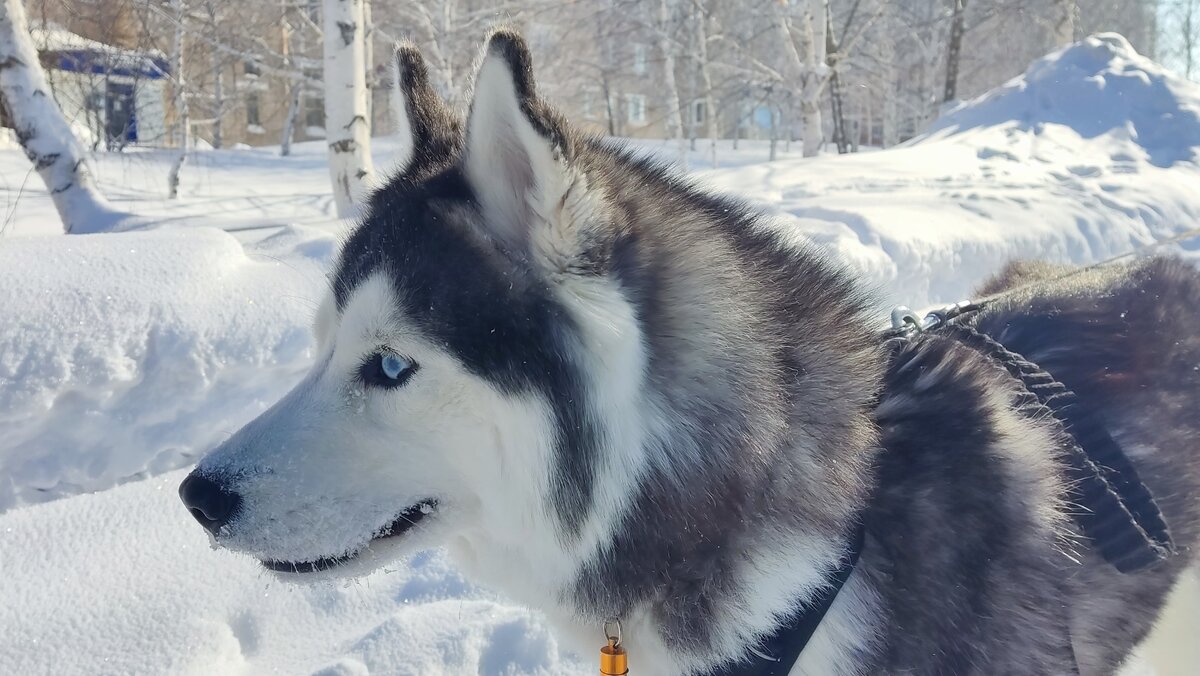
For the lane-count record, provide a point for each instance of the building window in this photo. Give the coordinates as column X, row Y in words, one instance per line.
column 251, row 69
column 314, row 111
column 699, row 112
column 590, row 97
column 635, row 107
column 252, row 114
column 639, row 59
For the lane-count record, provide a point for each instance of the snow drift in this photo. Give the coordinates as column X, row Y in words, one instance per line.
column 1089, row 154
column 125, row 355
column 1099, row 86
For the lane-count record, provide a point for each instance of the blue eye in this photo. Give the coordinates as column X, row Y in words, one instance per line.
column 393, row 366
column 387, row 370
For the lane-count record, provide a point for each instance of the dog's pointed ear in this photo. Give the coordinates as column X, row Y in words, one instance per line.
column 425, row 127
column 516, row 147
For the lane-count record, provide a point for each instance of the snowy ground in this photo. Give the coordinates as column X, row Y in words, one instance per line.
column 124, row 356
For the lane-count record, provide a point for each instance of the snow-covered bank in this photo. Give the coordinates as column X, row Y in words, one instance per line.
column 121, row 582
column 123, row 355
column 1090, row 154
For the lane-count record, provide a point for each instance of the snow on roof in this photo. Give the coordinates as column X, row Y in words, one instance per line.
column 80, row 54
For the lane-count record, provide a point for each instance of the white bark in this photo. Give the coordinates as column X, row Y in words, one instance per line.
column 808, row 71
column 816, row 75
column 44, row 132
column 218, row 135
column 218, row 75
column 773, row 154
column 710, row 102
column 671, row 90
column 1064, row 26
column 183, row 121
column 289, row 123
column 347, row 127
column 369, row 63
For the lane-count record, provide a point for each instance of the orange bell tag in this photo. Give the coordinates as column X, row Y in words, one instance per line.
column 613, row 659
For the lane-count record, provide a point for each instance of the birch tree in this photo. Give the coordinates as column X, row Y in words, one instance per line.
column 701, row 18
column 44, row 133
column 670, row 89
column 1064, row 25
column 806, row 68
column 183, row 121
column 217, row 62
column 347, row 126
column 954, row 50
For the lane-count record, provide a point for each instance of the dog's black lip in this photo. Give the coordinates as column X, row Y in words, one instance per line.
column 403, row 523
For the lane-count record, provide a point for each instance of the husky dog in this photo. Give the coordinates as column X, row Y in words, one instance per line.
column 609, row 393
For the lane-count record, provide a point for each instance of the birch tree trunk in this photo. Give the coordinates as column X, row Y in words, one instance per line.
column 1064, row 26
column 1188, row 31
column 347, row 129
column 807, row 73
column 710, row 104
column 218, row 75
column 289, row 122
column 43, row 131
column 671, row 89
column 954, row 53
column 218, row 136
column 368, row 31
column 773, row 152
column 295, row 92
column 183, row 120
column 815, row 76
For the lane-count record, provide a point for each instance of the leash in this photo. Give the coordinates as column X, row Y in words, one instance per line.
column 1118, row 512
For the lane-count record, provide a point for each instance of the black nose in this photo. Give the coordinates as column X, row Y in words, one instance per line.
column 212, row 504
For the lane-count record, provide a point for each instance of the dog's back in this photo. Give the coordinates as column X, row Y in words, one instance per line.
column 980, row 554
column 1126, row 340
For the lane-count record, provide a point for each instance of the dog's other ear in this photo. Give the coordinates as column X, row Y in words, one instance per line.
column 425, row 127
column 516, row 147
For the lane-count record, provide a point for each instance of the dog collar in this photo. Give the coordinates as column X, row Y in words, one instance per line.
column 779, row 652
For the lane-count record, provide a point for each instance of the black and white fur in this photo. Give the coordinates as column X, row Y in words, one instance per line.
column 633, row 398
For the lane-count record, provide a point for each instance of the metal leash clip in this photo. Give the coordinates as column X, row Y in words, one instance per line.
column 907, row 322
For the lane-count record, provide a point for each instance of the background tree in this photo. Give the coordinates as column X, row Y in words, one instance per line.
column 347, row 120
column 44, row 133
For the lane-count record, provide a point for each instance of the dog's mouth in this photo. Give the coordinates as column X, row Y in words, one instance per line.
column 405, row 522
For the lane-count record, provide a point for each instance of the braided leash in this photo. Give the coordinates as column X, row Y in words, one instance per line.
column 1117, row 511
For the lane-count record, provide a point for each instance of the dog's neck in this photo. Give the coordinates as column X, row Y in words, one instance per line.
column 686, row 604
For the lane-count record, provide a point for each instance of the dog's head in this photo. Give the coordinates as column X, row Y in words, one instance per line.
column 469, row 348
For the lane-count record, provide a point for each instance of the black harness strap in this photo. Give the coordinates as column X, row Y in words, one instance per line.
column 779, row 652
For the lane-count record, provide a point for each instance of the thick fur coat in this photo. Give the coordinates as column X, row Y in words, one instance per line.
column 612, row 394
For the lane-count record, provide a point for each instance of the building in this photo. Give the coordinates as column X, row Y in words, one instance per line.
column 112, row 96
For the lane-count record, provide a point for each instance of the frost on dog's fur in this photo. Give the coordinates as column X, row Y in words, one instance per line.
column 634, row 401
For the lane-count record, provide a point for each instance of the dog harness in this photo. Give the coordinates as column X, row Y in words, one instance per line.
column 1117, row 512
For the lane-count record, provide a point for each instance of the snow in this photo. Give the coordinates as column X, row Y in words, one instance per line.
column 99, row 339
column 118, row 583
column 124, row 356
